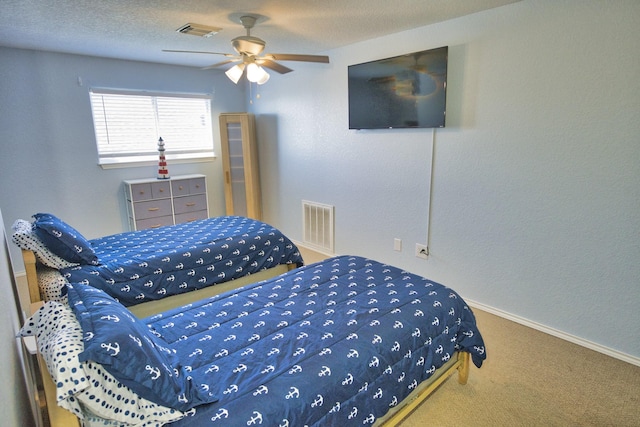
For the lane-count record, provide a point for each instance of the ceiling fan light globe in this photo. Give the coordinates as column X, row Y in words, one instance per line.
column 264, row 79
column 256, row 73
column 235, row 73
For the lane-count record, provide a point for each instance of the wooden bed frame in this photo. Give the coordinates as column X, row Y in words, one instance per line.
column 55, row 416
column 152, row 307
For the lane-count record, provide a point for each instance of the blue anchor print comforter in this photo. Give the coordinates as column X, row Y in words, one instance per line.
column 330, row 344
column 147, row 265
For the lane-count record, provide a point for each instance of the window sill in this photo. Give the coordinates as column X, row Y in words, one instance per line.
column 138, row 161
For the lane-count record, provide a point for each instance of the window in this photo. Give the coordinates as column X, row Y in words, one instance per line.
column 129, row 124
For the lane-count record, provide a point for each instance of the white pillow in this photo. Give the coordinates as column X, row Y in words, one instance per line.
column 51, row 284
column 86, row 389
column 59, row 339
column 25, row 238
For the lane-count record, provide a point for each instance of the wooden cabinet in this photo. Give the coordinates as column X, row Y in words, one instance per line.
column 154, row 202
column 240, row 165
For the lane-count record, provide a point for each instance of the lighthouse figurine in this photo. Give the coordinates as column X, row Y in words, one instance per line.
column 163, row 173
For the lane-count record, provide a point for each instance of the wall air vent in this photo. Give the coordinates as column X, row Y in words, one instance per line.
column 318, row 225
column 199, row 30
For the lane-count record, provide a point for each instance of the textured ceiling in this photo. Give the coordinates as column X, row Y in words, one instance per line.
column 140, row 29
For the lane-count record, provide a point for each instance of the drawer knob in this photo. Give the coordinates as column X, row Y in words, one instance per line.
column 153, row 209
column 191, row 204
column 180, row 187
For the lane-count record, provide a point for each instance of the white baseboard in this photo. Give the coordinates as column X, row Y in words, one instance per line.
column 557, row 333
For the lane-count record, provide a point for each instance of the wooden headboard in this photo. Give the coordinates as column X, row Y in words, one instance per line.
column 29, row 259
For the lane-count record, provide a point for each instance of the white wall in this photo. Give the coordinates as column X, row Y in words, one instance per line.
column 536, row 195
column 48, row 157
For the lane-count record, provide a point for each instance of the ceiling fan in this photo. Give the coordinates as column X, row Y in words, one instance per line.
column 248, row 49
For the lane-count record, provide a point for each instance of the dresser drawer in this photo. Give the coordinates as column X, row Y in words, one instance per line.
column 152, row 209
column 191, row 216
column 180, row 187
column 161, row 189
column 142, row 224
column 141, row 192
column 193, row 203
column 197, row 186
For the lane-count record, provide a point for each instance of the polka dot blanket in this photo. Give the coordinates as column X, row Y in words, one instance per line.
column 86, row 389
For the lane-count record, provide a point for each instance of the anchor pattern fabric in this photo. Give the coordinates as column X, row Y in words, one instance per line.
column 128, row 350
column 85, row 388
column 333, row 343
column 146, row 265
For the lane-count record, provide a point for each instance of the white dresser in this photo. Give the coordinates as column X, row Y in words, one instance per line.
column 156, row 202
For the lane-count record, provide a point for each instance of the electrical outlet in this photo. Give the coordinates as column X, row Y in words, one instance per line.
column 397, row 244
column 422, row 251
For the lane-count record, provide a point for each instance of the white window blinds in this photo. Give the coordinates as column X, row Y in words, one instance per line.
column 128, row 125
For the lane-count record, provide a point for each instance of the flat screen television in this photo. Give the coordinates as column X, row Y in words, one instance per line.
column 406, row 91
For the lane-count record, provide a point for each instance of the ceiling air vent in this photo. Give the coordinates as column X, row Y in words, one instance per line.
column 199, row 30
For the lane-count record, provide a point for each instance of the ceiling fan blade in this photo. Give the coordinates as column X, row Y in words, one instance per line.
column 198, row 51
column 292, row 57
column 228, row 61
column 273, row 65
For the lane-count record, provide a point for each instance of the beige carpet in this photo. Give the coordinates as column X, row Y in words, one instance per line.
column 534, row 379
